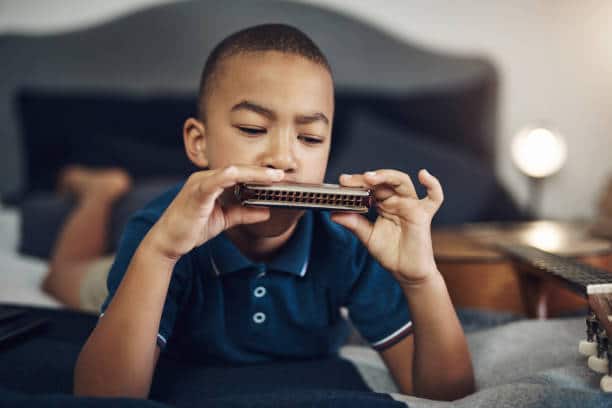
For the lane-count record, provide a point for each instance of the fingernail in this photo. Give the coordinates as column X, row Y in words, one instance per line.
column 345, row 175
column 276, row 173
column 370, row 173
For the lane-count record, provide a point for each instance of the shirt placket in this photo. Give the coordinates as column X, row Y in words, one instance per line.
column 260, row 302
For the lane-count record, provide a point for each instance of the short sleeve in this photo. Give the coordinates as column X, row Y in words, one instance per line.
column 376, row 304
column 135, row 230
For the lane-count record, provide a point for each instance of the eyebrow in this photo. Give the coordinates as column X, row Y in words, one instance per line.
column 318, row 116
column 246, row 105
column 268, row 113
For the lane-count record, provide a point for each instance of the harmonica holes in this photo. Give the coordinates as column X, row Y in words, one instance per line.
column 304, row 197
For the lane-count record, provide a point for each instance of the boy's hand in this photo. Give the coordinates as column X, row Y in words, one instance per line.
column 196, row 215
column 400, row 239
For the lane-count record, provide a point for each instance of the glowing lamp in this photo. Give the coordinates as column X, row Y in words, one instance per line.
column 538, row 152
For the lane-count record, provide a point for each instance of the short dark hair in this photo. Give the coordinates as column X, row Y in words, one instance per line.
column 266, row 37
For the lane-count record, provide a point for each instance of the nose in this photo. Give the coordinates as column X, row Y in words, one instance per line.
column 280, row 154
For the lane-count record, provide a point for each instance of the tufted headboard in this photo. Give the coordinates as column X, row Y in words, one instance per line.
column 161, row 50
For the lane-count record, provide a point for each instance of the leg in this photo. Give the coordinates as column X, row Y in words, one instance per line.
column 83, row 236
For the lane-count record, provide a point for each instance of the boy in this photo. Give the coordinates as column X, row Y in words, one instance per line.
column 198, row 274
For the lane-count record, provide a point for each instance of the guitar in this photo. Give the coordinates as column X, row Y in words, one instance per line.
column 466, row 254
column 590, row 282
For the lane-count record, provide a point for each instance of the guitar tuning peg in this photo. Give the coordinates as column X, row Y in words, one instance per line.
column 598, row 364
column 587, row 348
column 606, row 383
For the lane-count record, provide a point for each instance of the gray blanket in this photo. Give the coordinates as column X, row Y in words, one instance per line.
column 527, row 363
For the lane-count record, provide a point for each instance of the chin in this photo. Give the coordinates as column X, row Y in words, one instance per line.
column 280, row 221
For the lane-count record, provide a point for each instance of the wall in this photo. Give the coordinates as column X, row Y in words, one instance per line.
column 554, row 57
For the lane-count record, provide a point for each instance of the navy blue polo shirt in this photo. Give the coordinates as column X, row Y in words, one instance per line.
column 221, row 306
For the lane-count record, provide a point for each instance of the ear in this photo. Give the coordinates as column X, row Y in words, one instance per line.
column 194, row 139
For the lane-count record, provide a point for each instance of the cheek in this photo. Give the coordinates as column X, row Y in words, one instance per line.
column 313, row 163
column 225, row 149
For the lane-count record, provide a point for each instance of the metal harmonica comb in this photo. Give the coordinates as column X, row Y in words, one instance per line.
column 330, row 197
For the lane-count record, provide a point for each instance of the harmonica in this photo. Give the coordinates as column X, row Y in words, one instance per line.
column 331, row 197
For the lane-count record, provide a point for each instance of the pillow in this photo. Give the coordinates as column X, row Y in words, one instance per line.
column 142, row 134
column 471, row 190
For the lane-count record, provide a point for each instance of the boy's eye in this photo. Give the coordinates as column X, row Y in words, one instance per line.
column 309, row 139
column 250, row 130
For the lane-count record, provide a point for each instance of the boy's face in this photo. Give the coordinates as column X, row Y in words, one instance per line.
column 268, row 109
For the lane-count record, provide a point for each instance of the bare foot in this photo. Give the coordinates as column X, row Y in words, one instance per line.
column 107, row 183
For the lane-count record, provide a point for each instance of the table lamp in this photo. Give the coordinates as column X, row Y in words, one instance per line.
column 538, row 152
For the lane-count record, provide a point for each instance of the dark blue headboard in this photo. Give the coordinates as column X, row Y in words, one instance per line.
column 117, row 94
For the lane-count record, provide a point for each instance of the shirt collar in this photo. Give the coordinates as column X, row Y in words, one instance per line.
column 292, row 258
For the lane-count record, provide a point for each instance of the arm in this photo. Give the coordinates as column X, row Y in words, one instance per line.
column 436, row 363
column 120, row 356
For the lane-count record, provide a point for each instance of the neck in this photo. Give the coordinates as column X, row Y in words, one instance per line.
column 258, row 249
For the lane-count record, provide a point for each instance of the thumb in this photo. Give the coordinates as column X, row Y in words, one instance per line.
column 237, row 214
column 356, row 223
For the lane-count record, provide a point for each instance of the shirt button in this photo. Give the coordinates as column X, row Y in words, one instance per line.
column 259, row 318
column 259, row 291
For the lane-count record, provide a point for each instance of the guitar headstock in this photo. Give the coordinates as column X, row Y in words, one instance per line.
column 600, row 302
column 599, row 327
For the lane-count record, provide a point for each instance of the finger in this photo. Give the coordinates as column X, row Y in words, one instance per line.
column 359, row 181
column 435, row 194
column 250, row 174
column 383, row 192
column 237, row 214
column 400, row 182
column 392, row 205
column 352, row 180
column 380, row 192
column 356, row 223
column 229, row 176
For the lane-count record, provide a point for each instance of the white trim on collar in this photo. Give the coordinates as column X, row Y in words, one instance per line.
column 303, row 271
column 214, row 265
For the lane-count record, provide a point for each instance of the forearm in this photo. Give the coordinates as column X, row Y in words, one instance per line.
column 442, row 367
column 120, row 355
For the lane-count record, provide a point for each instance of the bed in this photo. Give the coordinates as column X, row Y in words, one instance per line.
column 20, row 275
column 430, row 109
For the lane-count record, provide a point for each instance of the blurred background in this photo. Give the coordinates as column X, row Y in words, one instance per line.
column 553, row 58
column 508, row 103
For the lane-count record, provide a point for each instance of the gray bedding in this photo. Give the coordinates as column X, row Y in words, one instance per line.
column 527, row 363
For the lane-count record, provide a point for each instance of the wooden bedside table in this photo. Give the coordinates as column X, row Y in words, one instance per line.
column 480, row 277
